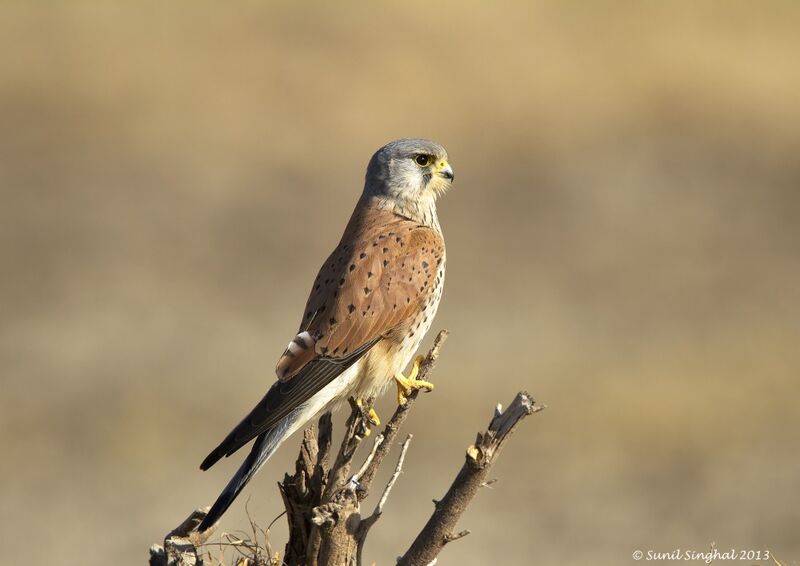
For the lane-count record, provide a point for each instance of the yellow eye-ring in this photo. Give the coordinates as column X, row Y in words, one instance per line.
column 423, row 160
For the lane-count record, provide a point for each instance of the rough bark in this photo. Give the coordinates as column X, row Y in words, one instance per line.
column 302, row 491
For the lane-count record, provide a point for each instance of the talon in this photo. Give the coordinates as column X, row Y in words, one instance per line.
column 405, row 385
column 373, row 417
column 370, row 416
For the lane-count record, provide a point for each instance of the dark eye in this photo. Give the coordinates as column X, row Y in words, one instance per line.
column 423, row 160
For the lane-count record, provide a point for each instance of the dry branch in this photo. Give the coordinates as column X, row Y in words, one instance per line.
column 366, row 523
column 439, row 530
column 322, row 500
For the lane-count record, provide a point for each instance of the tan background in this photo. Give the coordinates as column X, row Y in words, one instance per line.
column 622, row 242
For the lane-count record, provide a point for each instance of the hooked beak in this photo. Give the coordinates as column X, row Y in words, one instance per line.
column 443, row 169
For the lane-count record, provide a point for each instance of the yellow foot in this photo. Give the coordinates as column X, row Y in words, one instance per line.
column 405, row 385
column 370, row 416
column 373, row 417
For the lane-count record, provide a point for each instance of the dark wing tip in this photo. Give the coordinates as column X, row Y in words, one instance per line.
column 212, row 458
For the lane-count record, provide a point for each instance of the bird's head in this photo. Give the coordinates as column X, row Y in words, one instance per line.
column 410, row 170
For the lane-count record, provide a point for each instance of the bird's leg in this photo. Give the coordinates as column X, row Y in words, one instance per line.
column 369, row 416
column 405, row 385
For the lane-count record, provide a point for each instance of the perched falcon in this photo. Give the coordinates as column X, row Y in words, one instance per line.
column 370, row 306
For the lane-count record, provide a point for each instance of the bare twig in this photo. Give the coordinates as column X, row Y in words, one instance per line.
column 438, row 531
column 397, row 470
column 368, row 461
column 366, row 523
column 378, row 511
column 399, row 416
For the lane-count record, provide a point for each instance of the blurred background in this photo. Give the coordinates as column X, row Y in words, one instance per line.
column 622, row 242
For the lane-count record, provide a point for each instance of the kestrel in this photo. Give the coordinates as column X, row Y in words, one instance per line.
column 369, row 308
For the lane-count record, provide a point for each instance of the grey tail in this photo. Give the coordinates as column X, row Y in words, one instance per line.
column 265, row 445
